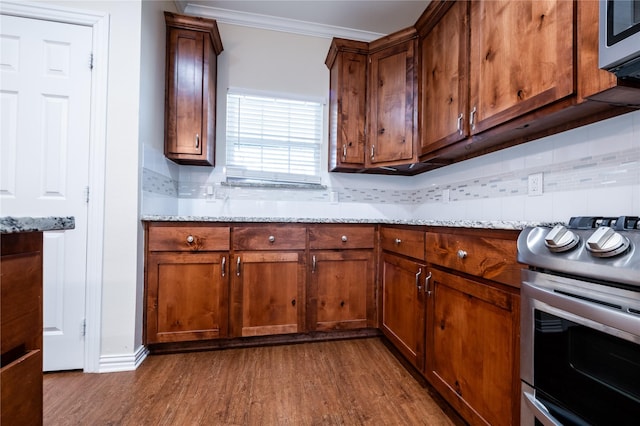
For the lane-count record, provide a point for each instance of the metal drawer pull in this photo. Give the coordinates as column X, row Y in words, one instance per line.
column 224, row 265
column 427, row 279
column 238, row 266
column 418, row 279
column 460, row 117
column 472, row 118
column 313, row 263
column 344, row 238
column 272, row 239
column 197, row 140
column 398, row 241
column 190, row 239
column 344, row 150
column 462, row 254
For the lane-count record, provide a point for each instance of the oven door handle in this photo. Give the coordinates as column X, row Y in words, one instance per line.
column 595, row 313
column 540, row 411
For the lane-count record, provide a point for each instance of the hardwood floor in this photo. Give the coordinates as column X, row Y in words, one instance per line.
column 348, row 382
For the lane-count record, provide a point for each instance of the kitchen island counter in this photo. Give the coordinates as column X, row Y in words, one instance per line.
column 13, row 225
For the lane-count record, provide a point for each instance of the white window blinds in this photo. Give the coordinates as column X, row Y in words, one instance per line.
column 272, row 138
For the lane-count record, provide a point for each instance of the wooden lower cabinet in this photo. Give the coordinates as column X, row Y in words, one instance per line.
column 187, row 296
column 403, row 305
column 473, row 347
column 268, row 293
column 21, row 329
column 341, row 290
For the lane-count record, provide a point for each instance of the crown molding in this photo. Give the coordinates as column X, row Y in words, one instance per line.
column 274, row 23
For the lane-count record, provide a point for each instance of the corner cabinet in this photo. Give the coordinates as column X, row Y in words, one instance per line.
column 392, row 94
column 187, row 283
column 268, row 284
column 402, row 275
column 193, row 45
column 341, row 277
column 472, row 326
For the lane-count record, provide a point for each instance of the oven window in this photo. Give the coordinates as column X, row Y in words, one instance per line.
column 623, row 19
column 585, row 376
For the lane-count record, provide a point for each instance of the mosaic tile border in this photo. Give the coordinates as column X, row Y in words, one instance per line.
column 611, row 169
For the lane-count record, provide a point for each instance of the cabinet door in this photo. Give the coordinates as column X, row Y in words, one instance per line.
column 185, row 67
column 341, row 294
column 444, row 80
column 187, row 296
column 472, row 344
column 347, row 111
column 521, row 58
column 392, row 90
column 268, row 295
column 403, row 306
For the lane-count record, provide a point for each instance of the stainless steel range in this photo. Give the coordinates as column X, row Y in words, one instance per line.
column 580, row 323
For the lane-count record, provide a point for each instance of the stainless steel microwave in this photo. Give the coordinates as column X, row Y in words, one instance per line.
column 619, row 30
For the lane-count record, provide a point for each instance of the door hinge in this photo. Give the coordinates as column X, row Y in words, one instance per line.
column 91, row 61
column 86, row 194
column 83, row 328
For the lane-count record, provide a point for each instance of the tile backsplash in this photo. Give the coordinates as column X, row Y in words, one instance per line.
column 599, row 161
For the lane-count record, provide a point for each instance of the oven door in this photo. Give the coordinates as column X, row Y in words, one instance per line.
column 580, row 352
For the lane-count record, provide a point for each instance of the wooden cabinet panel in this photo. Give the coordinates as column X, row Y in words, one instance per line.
column 268, row 295
column 21, row 328
column 481, row 254
column 521, row 58
column 342, row 290
column 190, row 96
column 341, row 237
column 187, row 296
column 188, row 238
column 403, row 321
column 347, row 62
column 473, row 348
column 269, row 237
column 444, row 80
column 392, row 93
column 21, row 390
column 408, row 242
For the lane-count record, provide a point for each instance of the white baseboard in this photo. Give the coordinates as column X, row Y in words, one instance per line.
column 124, row 362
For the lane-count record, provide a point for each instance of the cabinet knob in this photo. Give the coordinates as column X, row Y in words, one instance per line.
column 190, row 239
column 272, row 239
column 462, row 254
column 344, row 238
column 398, row 241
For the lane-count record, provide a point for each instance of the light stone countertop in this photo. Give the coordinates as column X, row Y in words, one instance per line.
column 480, row 224
column 12, row 225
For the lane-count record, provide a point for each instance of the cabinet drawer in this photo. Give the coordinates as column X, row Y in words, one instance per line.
column 483, row 256
column 188, row 238
column 284, row 237
column 341, row 237
column 408, row 242
column 21, row 399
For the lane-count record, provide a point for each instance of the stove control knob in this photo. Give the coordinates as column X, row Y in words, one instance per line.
column 560, row 239
column 606, row 242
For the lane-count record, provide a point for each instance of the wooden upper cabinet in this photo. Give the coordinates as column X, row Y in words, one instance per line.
column 347, row 63
column 392, row 96
column 521, row 58
column 190, row 96
column 444, row 80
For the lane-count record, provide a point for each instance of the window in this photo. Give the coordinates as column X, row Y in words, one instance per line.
column 273, row 138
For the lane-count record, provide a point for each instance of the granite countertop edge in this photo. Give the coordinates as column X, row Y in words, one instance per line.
column 14, row 225
column 481, row 224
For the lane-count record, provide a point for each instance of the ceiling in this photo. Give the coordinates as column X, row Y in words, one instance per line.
column 364, row 20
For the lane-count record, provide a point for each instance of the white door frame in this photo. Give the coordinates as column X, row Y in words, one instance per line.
column 99, row 21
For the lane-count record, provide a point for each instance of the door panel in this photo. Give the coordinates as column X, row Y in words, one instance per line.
column 45, row 94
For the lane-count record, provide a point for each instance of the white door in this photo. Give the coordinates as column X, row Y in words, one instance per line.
column 45, row 83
